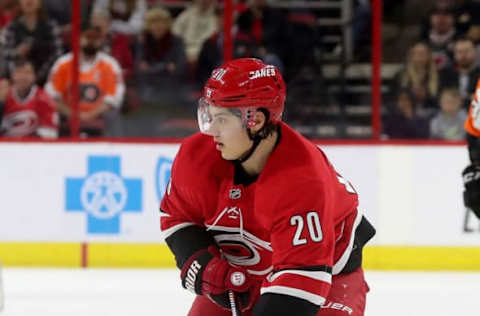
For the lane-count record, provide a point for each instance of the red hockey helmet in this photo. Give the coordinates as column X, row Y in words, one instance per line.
column 246, row 84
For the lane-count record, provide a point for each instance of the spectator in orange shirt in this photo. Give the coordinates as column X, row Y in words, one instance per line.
column 101, row 84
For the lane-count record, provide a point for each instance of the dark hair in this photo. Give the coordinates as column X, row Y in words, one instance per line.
column 21, row 62
column 464, row 39
column 442, row 11
column 41, row 12
column 405, row 91
column 268, row 128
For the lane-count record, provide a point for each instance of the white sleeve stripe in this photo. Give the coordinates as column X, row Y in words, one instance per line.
column 117, row 98
column 163, row 214
column 52, row 92
column 340, row 264
column 316, row 275
column 168, row 232
column 312, row 298
column 266, row 271
column 47, row 132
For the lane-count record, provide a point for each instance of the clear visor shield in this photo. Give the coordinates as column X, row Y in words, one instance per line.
column 204, row 117
column 212, row 122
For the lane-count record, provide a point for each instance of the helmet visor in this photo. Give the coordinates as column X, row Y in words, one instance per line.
column 214, row 119
column 204, row 117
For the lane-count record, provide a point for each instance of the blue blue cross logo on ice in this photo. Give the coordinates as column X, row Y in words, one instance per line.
column 103, row 194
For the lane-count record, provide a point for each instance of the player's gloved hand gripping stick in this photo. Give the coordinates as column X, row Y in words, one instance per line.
column 205, row 272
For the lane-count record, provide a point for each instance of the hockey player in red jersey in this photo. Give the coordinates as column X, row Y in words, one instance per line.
column 27, row 110
column 255, row 210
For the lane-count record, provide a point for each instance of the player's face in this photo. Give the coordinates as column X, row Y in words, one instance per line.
column 229, row 133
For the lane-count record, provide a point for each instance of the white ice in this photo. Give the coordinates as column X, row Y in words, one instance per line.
column 108, row 292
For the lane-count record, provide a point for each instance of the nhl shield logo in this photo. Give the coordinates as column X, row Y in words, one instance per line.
column 235, row 194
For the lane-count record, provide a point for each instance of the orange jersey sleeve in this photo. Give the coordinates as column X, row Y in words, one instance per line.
column 472, row 124
column 59, row 77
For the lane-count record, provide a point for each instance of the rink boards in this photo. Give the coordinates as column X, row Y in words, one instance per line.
column 96, row 204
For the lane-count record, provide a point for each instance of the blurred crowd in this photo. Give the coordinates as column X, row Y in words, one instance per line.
column 431, row 94
column 144, row 62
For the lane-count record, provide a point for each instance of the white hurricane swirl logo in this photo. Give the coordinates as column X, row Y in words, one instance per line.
column 20, row 123
column 104, row 194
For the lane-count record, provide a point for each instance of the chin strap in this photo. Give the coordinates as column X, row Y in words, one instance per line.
column 248, row 154
column 257, row 138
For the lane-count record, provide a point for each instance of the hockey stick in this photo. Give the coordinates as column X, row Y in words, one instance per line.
column 233, row 304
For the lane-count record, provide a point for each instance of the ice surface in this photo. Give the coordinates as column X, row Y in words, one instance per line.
column 133, row 292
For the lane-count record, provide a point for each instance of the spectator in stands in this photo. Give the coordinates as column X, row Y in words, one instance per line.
column 211, row 53
column 61, row 12
column 441, row 36
column 27, row 110
column 8, row 11
column 195, row 25
column 420, row 76
column 268, row 26
column 33, row 36
column 461, row 10
column 115, row 44
column 403, row 122
column 244, row 45
column 127, row 15
column 448, row 123
column 473, row 32
column 101, row 85
column 464, row 11
column 463, row 74
column 161, row 60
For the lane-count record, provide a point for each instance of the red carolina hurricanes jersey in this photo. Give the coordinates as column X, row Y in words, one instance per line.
column 33, row 114
column 291, row 228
